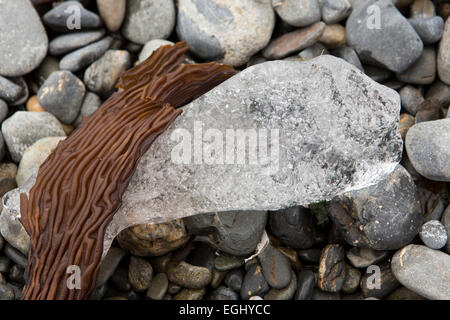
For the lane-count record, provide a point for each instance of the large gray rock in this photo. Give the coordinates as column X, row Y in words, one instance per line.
column 23, row 129
column 423, row 270
column 393, row 42
column 330, row 130
column 230, row 31
column 385, row 216
column 428, row 147
column 23, row 40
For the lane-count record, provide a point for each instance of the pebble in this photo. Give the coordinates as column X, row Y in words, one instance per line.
column 62, row 17
column 47, row 67
column 381, row 287
column 153, row 239
column 203, row 255
column 406, row 122
column 254, row 283
column 430, row 30
column 352, row 279
column 293, row 226
column 33, row 105
column 403, row 293
column 61, row 95
column 150, row 47
column 15, row 255
column 112, row 13
column 16, row 274
column 160, row 263
column 433, row 234
column 440, row 91
column 348, row 54
column 8, row 173
column 189, row 276
column 332, row 268
column 276, row 267
column 23, row 39
column 429, row 110
column 148, row 19
column 305, row 285
column 23, row 129
column 173, row 288
column 102, row 76
column 109, row 265
column 294, row 41
column 217, row 278
column 423, row 270
column 190, row 294
column 228, row 31
column 234, row 279
column 364, row 257
column 334, row 11
column 140, row 273
column 91, row 103
column 4, row 264
column 428, row 149
column 333, row 36
column 120, row 279
column 396, row 48
column 223, row 293
column 225, row 262
column 158, row 287
column 298, row 13
column 285, row 293
column 310, row 255
column 364, row 217
column 69, row 42
column 411, row 98
column 34, row 157
column 317, row 49
column 422, row 9
column 83, row 57
column 443, row 57
column 423, row 71
column 234, row 232
column 9, row 91
column 3, row 110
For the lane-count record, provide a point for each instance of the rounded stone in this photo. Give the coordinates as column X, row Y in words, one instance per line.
column 91, row 103
column 364, row 257
column 190, row 294
column 158, row 287
column 140, row 273
column 72, row 41
column 23, row 129
column 234, row 279
column 443, row 57
column 34, row 157
column 23, row 39
column 61, row 95
column 298, row 13
column 3, row 110
column 148, row 19
column 376, row 284
column 333, row 36
column 305, row 285
column 150, row 47
column 254, row 283
column 334, row 11
column 189, row 276
column 47, row 67
column 223, row 293
column 411, row 98
column 33, row 105
column 352, row 278
column 228, row 31
column 332, row 268
column 283, row 294
column 430, row 30
column 406, row 122
column 61, row 17
column 428, row 149
column 423, row 71
column 9, row 90
column 276, row 267
column 109, row 265
column 112, row 13
column 433, row 234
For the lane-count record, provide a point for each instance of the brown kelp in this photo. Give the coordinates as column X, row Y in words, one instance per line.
column 80, row 185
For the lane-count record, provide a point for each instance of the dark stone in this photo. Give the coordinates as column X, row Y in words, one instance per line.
column 234, row 279
column 310, row 255
column 202, row 256
column 15, row 256
column 276, row 267
column 254, row 283
column 223, row 293
column 17, row 274
column 387, row 283
column 332, row 268
column 63, row 15
column 305, row 285
column 120, row 280
column 429, row 110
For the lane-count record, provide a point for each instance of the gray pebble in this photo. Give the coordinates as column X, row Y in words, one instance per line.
column 47, row 67
column 423, row 71
column 23, row 129
column 348, row 54
column 377, row 74
column 317, row 49
column 334, row 11
column 298, row 13
column 158, row 287
column 3, row 111
column 396, row 48
column 63, row 17
column 411, row 98
column 428, row 149
column 440, row 91
column 91, row 103
column 83, row 57
column 9, row 91
column 443, row 58
column 433, row 234
column 430, row 30
column 283, row 294
column 364, row 257
column 69, row 42
column 61, row 95
column 102, row 75
column 276, row 267
column 15, row 255
column 148, row 19
column 305, row 285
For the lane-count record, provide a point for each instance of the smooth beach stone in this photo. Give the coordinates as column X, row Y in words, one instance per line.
column 298, row 13
column 254, row 283
column 440, row 91
column 283, row 294
column 333, row 36
column 112, row 13
column 443, row 57
column 348, row 54
column 276, row 267
column 379, row 288
column 423, row 71
column 396, row 48
column 189, row 276
column 305, row 285
column 151, row 46
column 428, row 149
column 190, row 294
column 9, row 91
column 423, row 270
column 91, row 103
column 422, row 9
column 148, row 19
column 71, row 15
column 430, row 30
column 109, row 265
column 3, row 110
column 433, row 234
column 334, row 11
column 411, row 98
column 23, row 39
column 332, row 268
column 71, row 41
column 317, row 49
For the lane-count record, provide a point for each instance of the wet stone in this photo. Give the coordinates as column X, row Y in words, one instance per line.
column 310, row 255
column 332, row 268
column 254, row 283
column 375, row 287
column 283, row 294
column 352, row 279
column 276, row 267
column 225, row 262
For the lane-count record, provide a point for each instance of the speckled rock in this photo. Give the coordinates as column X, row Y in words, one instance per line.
column 433, row 234
column 23, row 39
column 148, row 19
column 61, row 95
column 365, row 216
column 112, row 13
column 190, row 294
column 140, row 273
column 332, row 268
column 102, row 76
column 423, row 270
column 153, row 239
column 428, row 149
column 34, row 156
column 23, row 129
column 229, row 31
column 189, row 276
column 396, row 48
column 298, row 13
column 71, row 41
